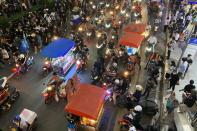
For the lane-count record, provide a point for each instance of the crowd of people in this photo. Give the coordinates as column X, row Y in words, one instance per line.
column 36, row 29
column 11, row 7
column 176, row 24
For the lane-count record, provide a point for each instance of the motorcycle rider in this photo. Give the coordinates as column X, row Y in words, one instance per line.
column 56, row 80
column 137, row 114
column 22, row 61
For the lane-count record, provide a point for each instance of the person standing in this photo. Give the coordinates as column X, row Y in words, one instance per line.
column 189, row 61
column 171, row 102
column 174, row 80
column 182, row 68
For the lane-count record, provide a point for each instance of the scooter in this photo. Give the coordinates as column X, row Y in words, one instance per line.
column 18, row 69
column 49, row 93
column 47, row 68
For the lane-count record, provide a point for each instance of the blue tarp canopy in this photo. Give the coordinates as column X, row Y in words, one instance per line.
column 192, row 41
column 57, row 48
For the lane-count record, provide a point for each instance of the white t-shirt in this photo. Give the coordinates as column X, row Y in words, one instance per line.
column 152, row 39
column 177, row 36
column 189, row 17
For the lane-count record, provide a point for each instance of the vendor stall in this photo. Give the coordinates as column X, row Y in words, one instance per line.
column 87, row 103
column 137, row 28
column 132, row 41
column 60, row 52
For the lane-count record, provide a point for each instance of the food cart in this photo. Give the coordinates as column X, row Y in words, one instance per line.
column 87, row 103
column 138, row 28
column 25, row 121
column 60, row 52
column 132, row 41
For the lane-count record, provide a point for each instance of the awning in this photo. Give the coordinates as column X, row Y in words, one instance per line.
column 87, row 101
column 131, row 40
column 57, row 48
column 135, row 28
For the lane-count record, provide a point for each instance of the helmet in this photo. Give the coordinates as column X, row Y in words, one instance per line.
column 138, row 108
column 117, row 81
column 115, row 64
column 17, row 118
column 21, row 56
column 139, row 87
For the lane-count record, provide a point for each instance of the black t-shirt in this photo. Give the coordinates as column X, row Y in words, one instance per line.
column 174, row 78
column 188, row 88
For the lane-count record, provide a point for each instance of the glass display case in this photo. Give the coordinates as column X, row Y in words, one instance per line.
column 61, row 65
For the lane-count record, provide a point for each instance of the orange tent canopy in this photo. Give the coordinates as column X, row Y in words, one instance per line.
column 87, row 101
column 131, row 40
column 136, row 28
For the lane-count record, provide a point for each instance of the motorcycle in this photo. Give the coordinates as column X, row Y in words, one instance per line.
column 24, row 68
column 49, row 93
column 8, row 95
column 47, row 68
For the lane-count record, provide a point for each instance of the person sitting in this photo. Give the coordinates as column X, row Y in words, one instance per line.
column 56, row 80
column 22, row 61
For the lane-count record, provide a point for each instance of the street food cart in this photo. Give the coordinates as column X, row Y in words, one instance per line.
column 26, row 120
column 87, row 103
column 60, row 52
column 138, row 28
column 132, row 41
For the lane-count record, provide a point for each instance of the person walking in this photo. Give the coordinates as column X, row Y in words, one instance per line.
column 174, row 80
column 149, row 85
column 189, row 61
column 182, row 68
column 189, row 87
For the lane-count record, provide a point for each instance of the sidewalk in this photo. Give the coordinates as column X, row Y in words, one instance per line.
column 191, row 74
